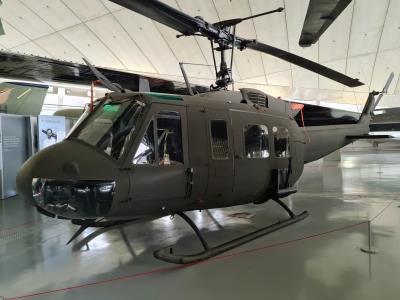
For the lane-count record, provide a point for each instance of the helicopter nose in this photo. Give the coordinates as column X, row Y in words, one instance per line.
column 70, row 180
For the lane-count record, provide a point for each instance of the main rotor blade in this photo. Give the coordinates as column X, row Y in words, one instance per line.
column 165, row 14
column 187, row 25
column 305, row 63
column 1, row 28
column 1, row 24
column 320, row 15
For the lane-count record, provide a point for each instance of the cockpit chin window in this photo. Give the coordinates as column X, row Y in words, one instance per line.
column 108, row 128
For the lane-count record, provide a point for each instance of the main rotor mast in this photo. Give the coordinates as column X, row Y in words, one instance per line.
column 226, row 40
column 224, row 74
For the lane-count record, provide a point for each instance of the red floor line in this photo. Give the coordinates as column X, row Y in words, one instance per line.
column 175, row 267
column 132, row 276
column 382, row 211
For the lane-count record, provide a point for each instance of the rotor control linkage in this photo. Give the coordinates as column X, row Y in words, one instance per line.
column 168, row 254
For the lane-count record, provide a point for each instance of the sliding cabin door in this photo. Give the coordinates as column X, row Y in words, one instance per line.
column 252, row 156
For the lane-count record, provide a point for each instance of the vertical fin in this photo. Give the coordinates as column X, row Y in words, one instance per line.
column 372, row 103
column 384, row 91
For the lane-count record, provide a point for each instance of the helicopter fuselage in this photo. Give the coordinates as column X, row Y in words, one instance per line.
column 139, row 155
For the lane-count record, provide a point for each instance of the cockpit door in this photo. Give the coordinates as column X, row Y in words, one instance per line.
column 252, row 154
column 159, row 165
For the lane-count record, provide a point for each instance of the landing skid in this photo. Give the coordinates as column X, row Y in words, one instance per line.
column 167, row 254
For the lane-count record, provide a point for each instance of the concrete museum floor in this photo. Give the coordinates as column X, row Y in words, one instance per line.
column 318, row 258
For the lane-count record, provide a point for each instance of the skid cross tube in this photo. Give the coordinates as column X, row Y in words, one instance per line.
column 167, row 254
column 285, row 207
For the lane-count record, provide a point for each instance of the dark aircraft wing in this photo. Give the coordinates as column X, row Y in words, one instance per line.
column 35, row 68
column 320, row 15
column 305, row 63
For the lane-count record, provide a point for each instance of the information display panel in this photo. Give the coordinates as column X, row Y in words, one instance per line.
column 13, row 152
column 51, row 130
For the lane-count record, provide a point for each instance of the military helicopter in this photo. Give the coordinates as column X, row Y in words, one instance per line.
column 137, row 156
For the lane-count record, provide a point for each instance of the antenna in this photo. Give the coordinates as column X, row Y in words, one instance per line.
column 224, row 74
column 188, row 86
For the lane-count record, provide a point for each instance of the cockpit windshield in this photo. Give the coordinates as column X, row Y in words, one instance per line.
column 108, row 128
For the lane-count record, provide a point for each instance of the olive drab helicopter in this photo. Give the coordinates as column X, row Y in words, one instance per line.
column 136, row 156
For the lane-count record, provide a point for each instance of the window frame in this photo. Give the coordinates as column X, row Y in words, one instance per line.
column 140, row 141
column 155, row 117
column 288, row 141
column 151, row 115
column 244, row 141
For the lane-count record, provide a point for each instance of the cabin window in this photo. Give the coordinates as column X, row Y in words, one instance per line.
column 145, row 154
column 256, row 141
column 219, row 139
column 169, row 137
column 281, row 141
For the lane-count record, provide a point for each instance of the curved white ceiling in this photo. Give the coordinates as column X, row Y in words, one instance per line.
column 364, row 42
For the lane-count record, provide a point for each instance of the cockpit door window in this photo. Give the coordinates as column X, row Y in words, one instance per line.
column 256, row 141
column 166, row 148
column 169, row 138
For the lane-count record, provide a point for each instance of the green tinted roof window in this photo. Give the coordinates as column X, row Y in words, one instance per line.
column 163, row 96
column 111, row 107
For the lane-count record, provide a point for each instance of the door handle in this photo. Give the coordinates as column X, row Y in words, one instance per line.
column 189, row 184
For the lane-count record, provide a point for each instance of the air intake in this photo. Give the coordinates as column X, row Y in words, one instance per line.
column 255, row 96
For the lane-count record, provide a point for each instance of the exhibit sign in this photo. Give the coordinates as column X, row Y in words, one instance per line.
column 51, row 130
column 13, row 152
